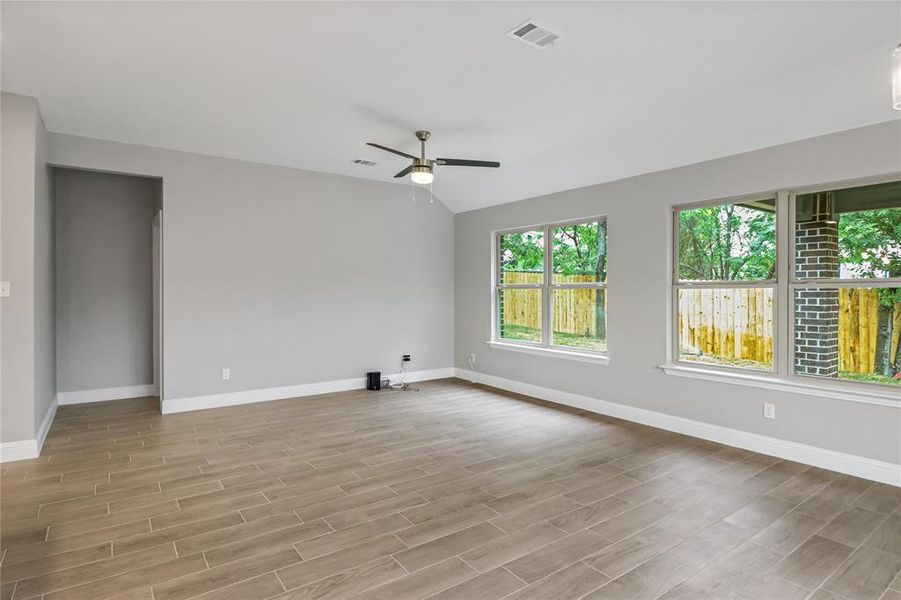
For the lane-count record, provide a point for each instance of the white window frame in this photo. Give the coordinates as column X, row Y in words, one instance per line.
column 796, row 283
column 782, row 377
column 546, row 289
column 678, row 284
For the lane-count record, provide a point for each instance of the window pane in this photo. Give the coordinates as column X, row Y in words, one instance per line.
column 728, row 242
column 519, row 314
column 849, row 333
column 580, row 319
column 522, row 257
column 580, row 253
column 727, row 326
column 853, row 233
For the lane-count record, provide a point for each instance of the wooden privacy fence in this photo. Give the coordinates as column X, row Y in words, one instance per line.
column 574, row 309
column 858, row 317
column 730, row 323
column 738, row 324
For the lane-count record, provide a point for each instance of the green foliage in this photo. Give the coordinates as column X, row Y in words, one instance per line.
column 522, row 251
column 581, row 249
column 870, row 247
column 727, row 242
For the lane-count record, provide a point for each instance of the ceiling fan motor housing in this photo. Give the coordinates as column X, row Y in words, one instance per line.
column 422, row 165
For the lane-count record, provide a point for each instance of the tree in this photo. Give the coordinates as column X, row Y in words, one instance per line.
column 727, row 242
column 600, row 271
column 522, row 251
column 581, row 249
column 870, row 247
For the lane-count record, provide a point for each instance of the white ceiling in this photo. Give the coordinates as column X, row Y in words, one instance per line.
column 630, row 88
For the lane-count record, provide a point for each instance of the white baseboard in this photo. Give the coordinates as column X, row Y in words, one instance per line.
column 850, row 464
column 27, row 449
column 858, row 466
column 178, row 405
column 23, row 450
column 44, row 428
column 104, row 394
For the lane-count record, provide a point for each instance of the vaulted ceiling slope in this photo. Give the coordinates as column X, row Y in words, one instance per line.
column 628, row 88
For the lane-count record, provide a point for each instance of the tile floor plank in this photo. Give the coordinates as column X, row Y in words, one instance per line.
column 574, row 581
column 812, row 562
column 423, row 583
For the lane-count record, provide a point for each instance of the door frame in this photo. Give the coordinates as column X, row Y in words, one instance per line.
column 157, row 292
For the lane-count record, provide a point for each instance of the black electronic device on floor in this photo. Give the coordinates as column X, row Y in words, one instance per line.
column 374, row 380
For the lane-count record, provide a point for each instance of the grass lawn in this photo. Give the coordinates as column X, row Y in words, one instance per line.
column 868, row 378
column 711, row 359
column 569, row 340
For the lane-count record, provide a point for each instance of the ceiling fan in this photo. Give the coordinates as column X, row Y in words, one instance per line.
column 422, row 167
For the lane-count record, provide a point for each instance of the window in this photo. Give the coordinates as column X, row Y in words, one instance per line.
column 726, row 283
column 828, row 305
column 846, row 285
column 552, row 286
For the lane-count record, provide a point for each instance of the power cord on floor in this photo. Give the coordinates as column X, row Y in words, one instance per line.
column 401, row 383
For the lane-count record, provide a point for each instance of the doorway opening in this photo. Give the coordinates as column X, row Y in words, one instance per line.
column 108, row 233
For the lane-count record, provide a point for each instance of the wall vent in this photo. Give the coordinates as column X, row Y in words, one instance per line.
column 533, row 34
column 365, row 163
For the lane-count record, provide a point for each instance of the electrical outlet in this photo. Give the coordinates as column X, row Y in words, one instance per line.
column 226, row 374
column 769, row 410
column 472, row 360
column 407, row 357
column 4, row 289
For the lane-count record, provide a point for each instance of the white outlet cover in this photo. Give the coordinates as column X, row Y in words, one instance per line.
column 769, row 410
column 226, row 373
column 4, row 289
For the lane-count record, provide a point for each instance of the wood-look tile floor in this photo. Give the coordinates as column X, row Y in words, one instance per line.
column 456, row 491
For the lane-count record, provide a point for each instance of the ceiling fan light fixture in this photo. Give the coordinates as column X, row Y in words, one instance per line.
column 422, row 174
column 421, row 171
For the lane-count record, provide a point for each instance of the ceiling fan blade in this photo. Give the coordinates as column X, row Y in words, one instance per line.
column 462, row 162
column 392, row 150
column 405, row 172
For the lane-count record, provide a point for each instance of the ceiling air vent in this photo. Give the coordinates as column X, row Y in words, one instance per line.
column 534, row 35
column 365, row 163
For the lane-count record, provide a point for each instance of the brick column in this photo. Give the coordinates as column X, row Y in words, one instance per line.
column 816, row 310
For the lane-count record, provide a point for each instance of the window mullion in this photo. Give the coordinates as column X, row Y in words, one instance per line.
column 546, row 300
column 494, row 330
column 725, row 283
column 783, row 348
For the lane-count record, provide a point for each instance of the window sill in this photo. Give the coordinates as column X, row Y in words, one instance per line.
column 597, row 359
column 840, row 391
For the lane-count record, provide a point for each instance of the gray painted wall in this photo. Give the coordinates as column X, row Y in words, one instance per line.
column 18, row 115
column 286, row 276
column 638, row 212
column 103, row 277
column 27, row 372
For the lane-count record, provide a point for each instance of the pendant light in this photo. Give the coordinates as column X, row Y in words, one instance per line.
column 896, row 78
